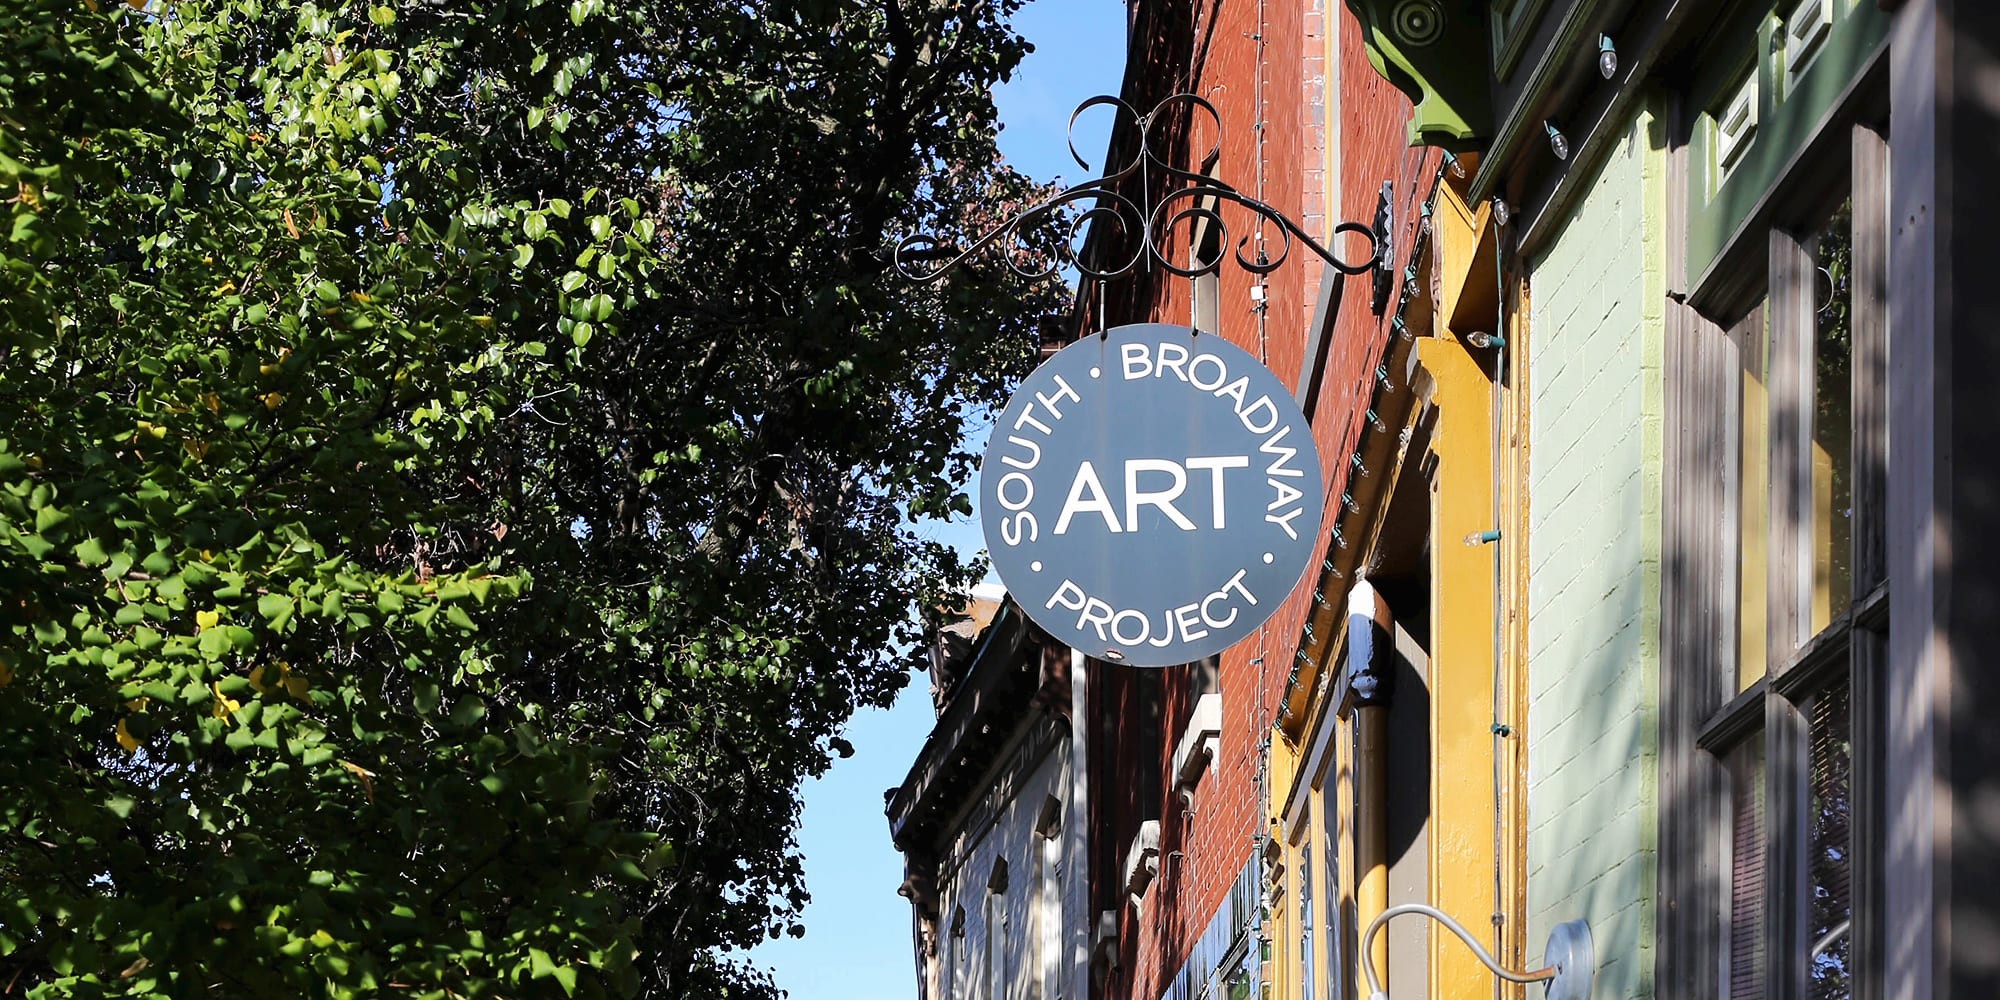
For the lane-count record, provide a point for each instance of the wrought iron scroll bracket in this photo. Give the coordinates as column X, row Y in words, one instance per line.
column 1191, row 199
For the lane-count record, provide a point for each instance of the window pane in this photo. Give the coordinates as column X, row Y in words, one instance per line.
column 1746, row 871
column 1830, row 774
column 1331, row 906
column 1306, row 920
column 1753, row 496
column 1832, row 456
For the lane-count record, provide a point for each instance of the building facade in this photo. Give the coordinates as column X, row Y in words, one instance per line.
column 1656, row 590
column 987, row 819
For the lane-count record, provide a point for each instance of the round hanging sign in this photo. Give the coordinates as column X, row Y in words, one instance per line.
column 1151, row 495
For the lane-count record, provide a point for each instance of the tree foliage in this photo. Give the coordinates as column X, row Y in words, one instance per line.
column 454, row 468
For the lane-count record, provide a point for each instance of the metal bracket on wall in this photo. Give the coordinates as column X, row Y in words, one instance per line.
column 1147, row 222
column 1384, row 279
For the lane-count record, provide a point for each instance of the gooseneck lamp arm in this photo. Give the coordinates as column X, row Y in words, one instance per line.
column 1572, row 964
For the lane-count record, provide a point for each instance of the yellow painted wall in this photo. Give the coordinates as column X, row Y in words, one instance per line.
column 1282, row 975
column 1462, row 663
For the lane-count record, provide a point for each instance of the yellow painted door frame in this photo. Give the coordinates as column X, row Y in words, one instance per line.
column 1462, row 862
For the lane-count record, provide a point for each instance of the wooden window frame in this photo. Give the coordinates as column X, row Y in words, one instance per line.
column 1703, row 716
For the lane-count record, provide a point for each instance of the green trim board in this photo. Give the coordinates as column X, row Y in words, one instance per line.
column 1521, row 125
column 1731, row 171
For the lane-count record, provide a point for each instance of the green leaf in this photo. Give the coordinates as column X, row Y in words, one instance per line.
column 276, row 610
column 90, row 552
column 426, row 696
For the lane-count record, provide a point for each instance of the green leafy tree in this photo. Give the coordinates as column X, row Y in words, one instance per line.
column 455, row 461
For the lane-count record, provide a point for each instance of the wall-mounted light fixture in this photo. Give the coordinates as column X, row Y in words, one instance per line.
column 1451, row 162
column 1607, row 57
column 1557, row 144
column 1569, row 957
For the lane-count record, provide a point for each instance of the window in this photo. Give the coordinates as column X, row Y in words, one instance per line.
column 1751, row 338
column 1782, row 396
column 1045, row 915
column 1305, row 928
column 1205, row 310
column 1325, row 807
column 954, row 963
column 993, row 932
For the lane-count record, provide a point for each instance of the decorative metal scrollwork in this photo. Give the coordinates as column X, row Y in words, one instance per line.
column 1192, row 200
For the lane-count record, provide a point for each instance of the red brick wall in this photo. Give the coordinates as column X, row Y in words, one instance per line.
column 1216, row 836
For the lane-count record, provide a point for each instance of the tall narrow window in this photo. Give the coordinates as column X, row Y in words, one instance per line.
column 1753, row 347
column 1746, row 977
column 1045, row 929
column 1830, row 870
column 994, row 931
column 1832, row 513
column 954, row 960
column 1327, row 807
column 1306, row 920
column 1206, row 294
column 1038, row 920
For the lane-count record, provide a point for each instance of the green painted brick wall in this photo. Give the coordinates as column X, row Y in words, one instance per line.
column 1595, row 391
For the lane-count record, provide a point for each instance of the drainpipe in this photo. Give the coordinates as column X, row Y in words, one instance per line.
column 1076, row 823
column 1501, row 728
column 1371, row 668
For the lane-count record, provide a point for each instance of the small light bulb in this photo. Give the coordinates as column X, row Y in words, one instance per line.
column 1607, row 57
column 1557, row 143
column 1502, row 214
column 1482, row 339
column 1478, row 538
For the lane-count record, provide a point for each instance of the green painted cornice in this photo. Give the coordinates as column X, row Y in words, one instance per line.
column 1435, row 51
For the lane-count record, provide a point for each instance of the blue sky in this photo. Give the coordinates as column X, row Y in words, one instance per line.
column 857, row 942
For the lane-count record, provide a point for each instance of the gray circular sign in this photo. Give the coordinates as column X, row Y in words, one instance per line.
column 1151, row 495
